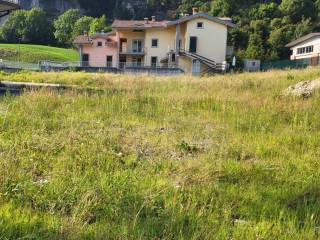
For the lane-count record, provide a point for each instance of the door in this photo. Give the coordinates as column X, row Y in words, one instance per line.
column 314, row 60
column 193, row 45
column 123, row 45
column 137, row 46
column 154, row 61
column 85, row 60
column 196, row 67
column 123, row 61
column 109, row 61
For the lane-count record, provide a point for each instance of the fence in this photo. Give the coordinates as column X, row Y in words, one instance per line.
column 19, row 65
column 282, row 64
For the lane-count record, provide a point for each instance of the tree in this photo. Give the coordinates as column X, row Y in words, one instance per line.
column 38, row 29
column 64, row 26
column 13, row 28
column 302, row 28
column 99, row 25
column 82, row 25
column 221, row 8
column 297, row 9
column 255, row 48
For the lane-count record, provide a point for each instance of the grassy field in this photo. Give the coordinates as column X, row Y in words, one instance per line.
column 223, row 157
column 35, row 53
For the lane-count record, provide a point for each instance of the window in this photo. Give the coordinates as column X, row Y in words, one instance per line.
column 137, row 46
column 173, row 57
column 154, row 43
column 200, row 25
column 309, row 49
column 303, row 50
column 154, row 61
column 99, row 44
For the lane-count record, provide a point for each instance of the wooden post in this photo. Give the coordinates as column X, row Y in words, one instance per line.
column 178, row 32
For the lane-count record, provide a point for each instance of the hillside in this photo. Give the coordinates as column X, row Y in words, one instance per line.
column 224, row 157
column 35, row 53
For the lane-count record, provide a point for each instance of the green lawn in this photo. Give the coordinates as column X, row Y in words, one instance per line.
column 224, row 157
column 35, row 53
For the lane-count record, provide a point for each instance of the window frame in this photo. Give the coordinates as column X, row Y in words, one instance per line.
column 202, row 25
column 154, row 39
column 99, row 44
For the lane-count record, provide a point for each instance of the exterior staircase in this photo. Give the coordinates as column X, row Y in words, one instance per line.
column 213, row 67
column 210, row 63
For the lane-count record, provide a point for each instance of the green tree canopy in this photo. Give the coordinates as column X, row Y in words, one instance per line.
column 82, row 25
column 37, row 27
column 14, row 27
column 64, row 26
column 99, row 25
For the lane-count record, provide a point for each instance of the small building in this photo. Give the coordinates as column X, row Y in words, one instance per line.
column 306, row 47
column 251, row 65
column 195, row 44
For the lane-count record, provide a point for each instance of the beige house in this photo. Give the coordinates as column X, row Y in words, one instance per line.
column 194, row 44
column 306, row 47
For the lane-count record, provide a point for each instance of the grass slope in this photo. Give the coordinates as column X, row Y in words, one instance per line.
column 160, row 158
column 35, row 53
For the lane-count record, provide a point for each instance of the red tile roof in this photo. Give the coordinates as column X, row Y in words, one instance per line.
column 139, row 24
column 82, row 39
column 143, row 24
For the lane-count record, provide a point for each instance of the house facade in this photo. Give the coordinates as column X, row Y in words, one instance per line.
column 306, row 47
column 194, row 44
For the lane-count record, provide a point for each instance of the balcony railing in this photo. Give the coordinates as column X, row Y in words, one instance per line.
column 132, row 51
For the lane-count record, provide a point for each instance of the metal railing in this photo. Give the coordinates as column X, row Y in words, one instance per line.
column 143, row 65
column 18, row 65
column 133, row 51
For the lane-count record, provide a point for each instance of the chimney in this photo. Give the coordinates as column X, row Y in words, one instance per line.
column 194, row 10
column 153, row 18
column 146, row 20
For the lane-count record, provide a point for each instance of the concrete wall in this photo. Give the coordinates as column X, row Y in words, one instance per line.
column 315, row 42
column 212, row 39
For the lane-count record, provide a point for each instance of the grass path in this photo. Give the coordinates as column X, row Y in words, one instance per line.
column 223, row 157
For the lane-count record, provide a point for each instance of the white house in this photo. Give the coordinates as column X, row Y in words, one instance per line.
column 306, row 47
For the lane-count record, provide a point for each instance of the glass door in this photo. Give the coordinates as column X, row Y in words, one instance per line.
column 137, row 46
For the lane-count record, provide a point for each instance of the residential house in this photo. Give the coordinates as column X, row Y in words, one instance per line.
column 194, row 44
column 306, row 47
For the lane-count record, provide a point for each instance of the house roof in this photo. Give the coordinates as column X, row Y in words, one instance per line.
column 143, row 24
column 85, row 39
column 138, row 24
column 82, row 39
column 302, row 39
column 224, row 21
column 102, row 35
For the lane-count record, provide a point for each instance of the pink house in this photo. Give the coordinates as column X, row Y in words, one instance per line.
column 98, row 50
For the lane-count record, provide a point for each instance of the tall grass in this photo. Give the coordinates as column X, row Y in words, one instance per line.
column 223, row 157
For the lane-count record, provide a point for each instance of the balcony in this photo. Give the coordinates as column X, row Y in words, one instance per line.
column 135, row 52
